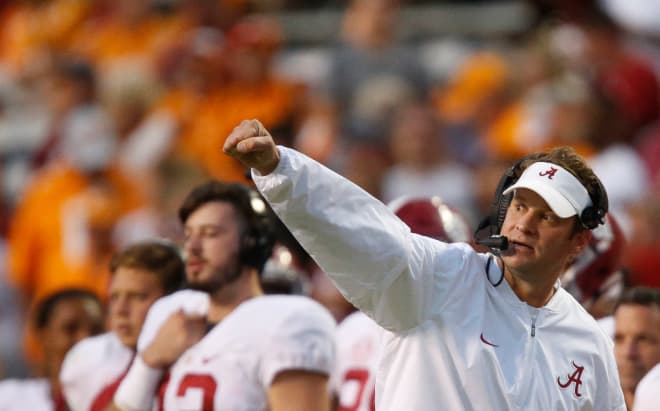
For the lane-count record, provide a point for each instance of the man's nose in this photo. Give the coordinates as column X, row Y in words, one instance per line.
column 526, row 222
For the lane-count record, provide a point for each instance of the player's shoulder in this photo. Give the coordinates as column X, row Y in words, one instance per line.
column 12, row 388
column 25, row 394
column 96, row 346
column 278, row 308
column 356, row 319
column 355, row 322
column 89, row 353
column 187, row 300
column 279, row 315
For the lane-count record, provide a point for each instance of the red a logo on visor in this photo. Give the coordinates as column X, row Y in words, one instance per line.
column 550, row 173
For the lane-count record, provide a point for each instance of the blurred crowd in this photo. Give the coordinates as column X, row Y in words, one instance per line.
column 110, row 111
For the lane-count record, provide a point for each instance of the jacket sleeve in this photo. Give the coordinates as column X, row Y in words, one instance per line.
column 371, row 255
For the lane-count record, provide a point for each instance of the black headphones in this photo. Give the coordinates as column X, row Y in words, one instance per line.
column 259, row 236
column 488, row 230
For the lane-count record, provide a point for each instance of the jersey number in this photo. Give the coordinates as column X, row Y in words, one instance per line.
column 361, row 377
column 204, row 382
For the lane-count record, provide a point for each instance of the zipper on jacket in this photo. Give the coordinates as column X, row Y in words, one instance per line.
column 533, row 326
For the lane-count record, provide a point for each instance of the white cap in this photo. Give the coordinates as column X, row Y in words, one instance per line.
column 563, row 192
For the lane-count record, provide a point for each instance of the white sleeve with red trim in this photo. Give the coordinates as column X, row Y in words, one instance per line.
column 90, row 366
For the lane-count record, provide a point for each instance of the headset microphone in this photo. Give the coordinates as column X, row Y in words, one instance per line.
column 499, row 242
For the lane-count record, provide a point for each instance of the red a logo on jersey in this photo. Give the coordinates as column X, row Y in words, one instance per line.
column 549, row 172
column 576, row 378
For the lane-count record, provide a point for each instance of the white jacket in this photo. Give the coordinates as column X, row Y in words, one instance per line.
column 455, row 341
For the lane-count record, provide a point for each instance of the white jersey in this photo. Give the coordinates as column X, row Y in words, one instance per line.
column 457, row 337
column 646, row 393
column 233, row 366
column 29, row 394
column 358, row 353
column 92, row 371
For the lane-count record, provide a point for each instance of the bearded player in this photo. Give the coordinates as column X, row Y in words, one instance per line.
column 223, row 345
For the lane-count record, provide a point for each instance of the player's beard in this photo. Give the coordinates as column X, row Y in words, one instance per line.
column 218, row 279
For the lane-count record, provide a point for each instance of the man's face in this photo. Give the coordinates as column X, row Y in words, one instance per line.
column 212, row 245
column 132, row 291
column 71, row 320
column 540, row 243
column 636, row 342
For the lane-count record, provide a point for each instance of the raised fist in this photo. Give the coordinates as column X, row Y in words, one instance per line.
column 253, row 146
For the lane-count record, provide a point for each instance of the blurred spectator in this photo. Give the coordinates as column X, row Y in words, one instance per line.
column 423, row 166
column 192, row 72
column 60, row 234
column 365, row 164
column 74, row 115
column 31, row 31
column 642, row 257
column 370, row 74
column 471, row 100
column 124, row 38
column 12, row 363
column 648, row 147
column 166, row 187
column 252, row 91
column 636, row 337
column 60, row 321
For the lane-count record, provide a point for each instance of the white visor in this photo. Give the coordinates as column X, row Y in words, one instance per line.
column 563, row 192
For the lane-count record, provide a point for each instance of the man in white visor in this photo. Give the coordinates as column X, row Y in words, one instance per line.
column 465, row 330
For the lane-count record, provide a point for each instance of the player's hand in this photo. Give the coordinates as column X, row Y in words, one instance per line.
column 253, row 145
column 178, row 333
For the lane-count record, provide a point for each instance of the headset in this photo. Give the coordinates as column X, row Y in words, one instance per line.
column 259, row 237
column 488, row 230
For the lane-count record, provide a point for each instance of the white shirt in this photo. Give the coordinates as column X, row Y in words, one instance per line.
column 91, row 372
column 647, row 397
column 358, row 355
column 21, row 395
column 454, row 341
column 232, row 367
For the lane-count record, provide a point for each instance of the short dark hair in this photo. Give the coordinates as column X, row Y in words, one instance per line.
column 257, row 218
column 158, row 257
column 44, row 308
column 645, row 296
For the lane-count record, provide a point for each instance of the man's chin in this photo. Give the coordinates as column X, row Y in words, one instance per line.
column 203, row 286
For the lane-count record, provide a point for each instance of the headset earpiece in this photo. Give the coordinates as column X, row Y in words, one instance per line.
column 591, row 217
column 258, row 239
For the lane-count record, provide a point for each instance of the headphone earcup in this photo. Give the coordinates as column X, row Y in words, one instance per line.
column 256, row 245
column 591, row 217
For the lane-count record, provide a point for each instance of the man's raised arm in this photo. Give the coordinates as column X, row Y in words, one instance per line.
column 367, row 251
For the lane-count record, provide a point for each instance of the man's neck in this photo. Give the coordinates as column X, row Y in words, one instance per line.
column 628, row 397
column 537, row 294
column 225, row 300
